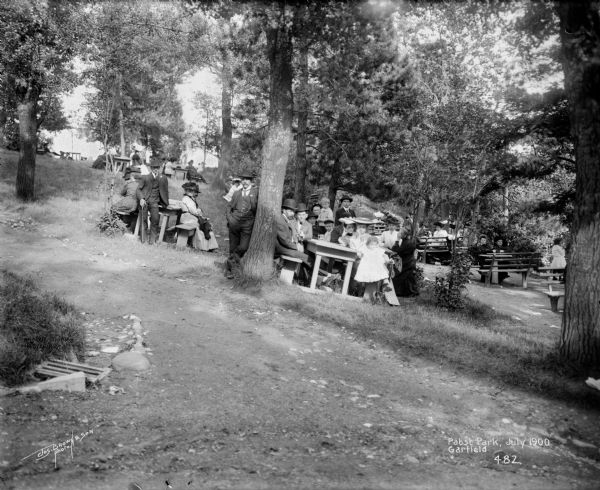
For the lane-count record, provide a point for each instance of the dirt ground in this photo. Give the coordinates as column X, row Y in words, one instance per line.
column 243, row 394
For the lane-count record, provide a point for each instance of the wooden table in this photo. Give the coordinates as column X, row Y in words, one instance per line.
column 322, row 249
column 164, row 214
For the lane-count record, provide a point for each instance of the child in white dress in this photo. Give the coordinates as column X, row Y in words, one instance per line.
column 558, row 255
column 372, row 267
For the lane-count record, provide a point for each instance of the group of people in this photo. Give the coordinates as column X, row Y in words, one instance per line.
column 146, row 193
column 299, row 223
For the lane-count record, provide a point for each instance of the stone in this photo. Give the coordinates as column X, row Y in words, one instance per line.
column 68, row 382
column 134, row 361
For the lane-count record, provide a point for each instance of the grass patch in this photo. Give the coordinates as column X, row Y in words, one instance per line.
column 35, row 327
column 476, row 341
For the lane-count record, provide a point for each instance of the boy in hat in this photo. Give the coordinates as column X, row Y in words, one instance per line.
column 152, row 192
column 328, row 229
column 305, row 229
column 240, row 217
column 344, row 210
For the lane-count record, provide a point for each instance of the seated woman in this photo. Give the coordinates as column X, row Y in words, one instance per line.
column 204, row 238
column 128, row 205
column 405, row 279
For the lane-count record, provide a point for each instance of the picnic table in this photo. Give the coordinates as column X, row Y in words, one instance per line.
column 322, row 248
column 493, row 263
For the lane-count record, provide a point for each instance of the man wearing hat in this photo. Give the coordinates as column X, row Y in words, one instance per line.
column 305, row 229
column 240, row 217
column 287, row 237
column 152, row 192
column 344, row 210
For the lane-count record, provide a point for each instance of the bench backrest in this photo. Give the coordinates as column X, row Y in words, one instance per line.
column 517, row 260
column 432, row 243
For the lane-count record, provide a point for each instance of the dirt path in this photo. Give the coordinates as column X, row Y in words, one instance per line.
column 245, row 395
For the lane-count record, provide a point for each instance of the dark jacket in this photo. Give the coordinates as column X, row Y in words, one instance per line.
column 285, row 233
column 234, row 210
column 145, row 187
column 342, row 213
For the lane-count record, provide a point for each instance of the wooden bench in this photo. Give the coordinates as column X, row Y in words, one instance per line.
column 433, row 245
column 554, row 297
column 184, row 232
column 289, row 269
column 519, row 262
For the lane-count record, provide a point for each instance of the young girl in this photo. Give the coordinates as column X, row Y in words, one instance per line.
column 558, row 255
column 204, row 238
column 372, row 267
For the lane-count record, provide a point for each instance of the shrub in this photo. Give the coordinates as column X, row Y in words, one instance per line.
column 448, row 290
column 34, row 327
column 111, row 224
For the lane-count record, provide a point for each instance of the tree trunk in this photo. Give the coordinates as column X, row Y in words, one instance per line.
column 27, row 110
column 302, row 98
column 505, row 204
column 334, row 184
column 257, row 264
column 580, row 35
column 226, row 102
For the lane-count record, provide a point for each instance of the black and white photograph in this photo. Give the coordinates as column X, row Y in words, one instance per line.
column 329, row 245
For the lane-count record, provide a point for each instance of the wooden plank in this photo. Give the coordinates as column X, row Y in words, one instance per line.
column 57, row 367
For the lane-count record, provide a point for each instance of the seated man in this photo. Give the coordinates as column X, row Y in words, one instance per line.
column 287, row 238
column 193, row 174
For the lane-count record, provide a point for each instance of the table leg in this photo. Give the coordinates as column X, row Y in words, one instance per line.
column 315, row 273
column 347, row 275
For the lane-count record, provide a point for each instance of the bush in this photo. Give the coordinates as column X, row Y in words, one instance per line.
column 34, row 327
column 111, row 224
column 448, row 290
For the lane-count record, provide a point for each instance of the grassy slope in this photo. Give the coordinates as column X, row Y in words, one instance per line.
column 479, row 342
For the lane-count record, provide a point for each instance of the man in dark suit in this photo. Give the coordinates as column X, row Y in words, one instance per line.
column 152, row 192
column 287, row 236
column 344, row 210
column 240, row 217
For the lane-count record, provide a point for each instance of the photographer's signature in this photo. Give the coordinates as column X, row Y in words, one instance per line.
column 59, row 447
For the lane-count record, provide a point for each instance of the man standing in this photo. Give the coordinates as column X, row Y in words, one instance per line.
column 240, row 217
column 344, row 210
column 152, row 192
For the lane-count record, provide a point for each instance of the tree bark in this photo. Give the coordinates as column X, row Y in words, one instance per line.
column 27, row 110
column 580, row 36
column 257, row 264
column 302, row 98
column 226, row 134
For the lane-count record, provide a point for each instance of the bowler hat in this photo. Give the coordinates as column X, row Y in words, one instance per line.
column 345, row 197
column 312, row 215
column 246, row 175
column 301, row 208
column 331, row 221
column 289, row 204
column 154, row 163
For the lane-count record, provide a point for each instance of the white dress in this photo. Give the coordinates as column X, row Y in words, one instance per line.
column 558, row 257
column 371, row 267
column 191, row 211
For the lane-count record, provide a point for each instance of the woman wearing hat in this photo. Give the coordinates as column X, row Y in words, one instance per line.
column 405, row 278
column 344, row 210
column 204, row 239
column 129, row 203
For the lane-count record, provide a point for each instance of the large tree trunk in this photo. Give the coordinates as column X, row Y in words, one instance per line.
column 257, row 264
column 302, row 102
column 580, row 35
column 27, row 110
column 226, row 102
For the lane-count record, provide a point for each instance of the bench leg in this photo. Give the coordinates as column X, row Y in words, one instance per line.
column 554, row 303
column 182, row 239
column 524, row 280
column 287, row 273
